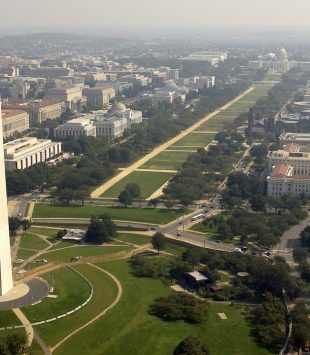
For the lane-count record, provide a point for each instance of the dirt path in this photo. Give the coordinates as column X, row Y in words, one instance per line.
column 113, row 304
column 25, row 322
column 104, row 187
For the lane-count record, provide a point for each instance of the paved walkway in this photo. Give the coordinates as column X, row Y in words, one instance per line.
column 25, row 322
column 30, row 210
column 113, row 304
column 104, row 187
column 159, row 191
column 158, row 170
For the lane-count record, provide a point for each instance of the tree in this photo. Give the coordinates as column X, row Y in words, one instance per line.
column 180, row 306
column 100, row 230
column 82, row 194
column 224, row 230
column 169, row 204
column 191, row 346
column 258, row 203
column 14, row 344
column 305, row 237
column 125, row 198
column 300, row 255
column 192, row 256
column 154, row 202
column 134, row 190
column 26, row 224
column 158, row 241
column 14, row 225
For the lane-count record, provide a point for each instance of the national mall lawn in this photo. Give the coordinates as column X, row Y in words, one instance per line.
column 143, row 215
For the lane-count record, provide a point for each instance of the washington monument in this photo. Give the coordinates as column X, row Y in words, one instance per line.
column 6, row 279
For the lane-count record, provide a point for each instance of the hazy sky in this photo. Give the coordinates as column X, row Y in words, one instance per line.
column 87, row 14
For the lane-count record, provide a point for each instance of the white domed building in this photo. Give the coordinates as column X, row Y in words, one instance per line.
column 118, row 109
column 113, row 123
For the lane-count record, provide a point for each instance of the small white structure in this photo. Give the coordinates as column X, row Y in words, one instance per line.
column 74, row 235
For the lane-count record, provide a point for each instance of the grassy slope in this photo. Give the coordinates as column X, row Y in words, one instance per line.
column 104, row 294
column 129, row 326
column 67, row 253
column 71, row 289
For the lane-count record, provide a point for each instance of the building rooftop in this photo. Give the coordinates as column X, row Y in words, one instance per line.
column 28, row 103
column 292, row 148
column 11, row 113
column 281, row 170
column 198, row 276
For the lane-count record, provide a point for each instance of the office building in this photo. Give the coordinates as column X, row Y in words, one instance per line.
column 290, row 155
column 14, row 121
column 283, row 181
column 99, row 97
column 71, row 95
column 38, row 110
column 297, row 138
column 28, row 151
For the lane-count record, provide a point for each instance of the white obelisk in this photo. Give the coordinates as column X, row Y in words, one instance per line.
column 6, row 279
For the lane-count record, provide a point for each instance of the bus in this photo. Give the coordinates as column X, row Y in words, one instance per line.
column 198, row 216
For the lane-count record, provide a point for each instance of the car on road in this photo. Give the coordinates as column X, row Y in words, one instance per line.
column 238, row 250
column 19, row 261
column 179, row 234
column 217, row 241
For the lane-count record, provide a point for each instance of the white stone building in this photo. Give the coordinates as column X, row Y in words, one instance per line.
column 290, row 155
column 76, row 128
column 116, row 120
column 283, row 181
column 28, row 151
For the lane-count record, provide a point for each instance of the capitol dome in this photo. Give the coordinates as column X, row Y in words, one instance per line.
column 117, row 107
column 170, row 87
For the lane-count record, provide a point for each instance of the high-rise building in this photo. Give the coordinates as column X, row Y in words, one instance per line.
column 6, row 278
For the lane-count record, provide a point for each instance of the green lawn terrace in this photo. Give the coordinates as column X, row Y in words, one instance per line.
column 143, row 215
column 225, row 120
column 129, row 325
column 148, row 181
column 167, row 160
column 194, row 140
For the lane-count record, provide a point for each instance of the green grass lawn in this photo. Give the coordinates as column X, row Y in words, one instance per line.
column 30, row 241
column 67, row 253
column 52, row 233
column 62, row 244
column 195, row 140
column 129, row 326
column 72, row 290
column 8, row 319
column 144, row 215
column 167, row 160
column 137, row 239
column 104, row 294
column 149, row 182
column 25, row 253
